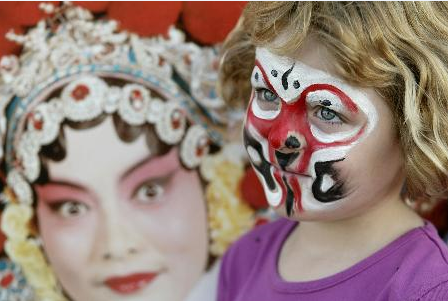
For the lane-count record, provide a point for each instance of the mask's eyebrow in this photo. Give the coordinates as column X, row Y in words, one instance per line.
column 151, row 160
column 69, row 184
column 136, row 166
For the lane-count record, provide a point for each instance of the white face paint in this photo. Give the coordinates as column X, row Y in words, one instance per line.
column 302, row 126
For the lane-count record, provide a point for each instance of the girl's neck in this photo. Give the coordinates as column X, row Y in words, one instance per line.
column 309, row 247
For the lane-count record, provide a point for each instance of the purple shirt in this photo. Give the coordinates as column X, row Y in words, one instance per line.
column 413, row 267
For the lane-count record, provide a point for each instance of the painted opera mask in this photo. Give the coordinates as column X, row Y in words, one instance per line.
column 321, row 147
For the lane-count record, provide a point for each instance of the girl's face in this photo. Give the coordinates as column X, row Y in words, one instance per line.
column 323, row 149
column 120, row 223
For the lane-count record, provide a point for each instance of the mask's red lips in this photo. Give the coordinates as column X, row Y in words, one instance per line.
column 131, row 283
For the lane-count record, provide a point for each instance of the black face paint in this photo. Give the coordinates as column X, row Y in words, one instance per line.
column 292, row 142
column 326, row 102
column 264, row 168
column 337, row 191
column 274, row 73
column 284, row 159
column 285, row 77
column 296, row 84
column 256, row 76
column 289, row 198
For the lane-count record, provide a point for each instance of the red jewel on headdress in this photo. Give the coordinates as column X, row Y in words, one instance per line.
column 137, row 99
column 175, row 119
column 37, row 120
column 7, row 280
column 200, row 148
column 80, row 92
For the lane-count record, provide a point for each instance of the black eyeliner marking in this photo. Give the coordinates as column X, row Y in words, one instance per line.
column 336, row 192
column 285, row 77
column 296, row 84
column 326, row 102
column 264, row 168
column 289, row 198
column 256, row 76
column 274, row 73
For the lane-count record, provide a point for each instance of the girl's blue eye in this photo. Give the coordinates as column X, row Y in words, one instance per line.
column 266, row 104
column 270, row 96
column 327, row 114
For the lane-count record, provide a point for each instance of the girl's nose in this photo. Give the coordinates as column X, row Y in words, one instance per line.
column 289, row 150
column 292, row 143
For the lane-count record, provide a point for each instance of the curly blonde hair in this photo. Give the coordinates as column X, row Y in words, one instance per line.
column 398, row 48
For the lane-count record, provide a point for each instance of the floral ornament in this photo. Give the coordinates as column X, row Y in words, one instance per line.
column 171, row 124
column 25, row 250
column 20, row 187
column 228, row 214
column 9, row 66
column 83, row 99
column 134, row 106
column 28, row 254
column 195, row 146
column 15, row 221
column 13, row 285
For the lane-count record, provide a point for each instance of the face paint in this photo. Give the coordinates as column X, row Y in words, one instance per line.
column 301, row 122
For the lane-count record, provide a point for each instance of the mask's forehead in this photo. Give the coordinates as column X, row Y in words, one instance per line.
column 289, row 77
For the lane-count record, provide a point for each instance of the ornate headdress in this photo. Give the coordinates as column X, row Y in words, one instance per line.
column 168, row 83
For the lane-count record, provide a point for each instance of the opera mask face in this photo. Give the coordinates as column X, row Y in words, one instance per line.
column 303, row 125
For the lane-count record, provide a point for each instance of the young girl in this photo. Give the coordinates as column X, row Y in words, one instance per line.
column 115, row 183
column 347, row 117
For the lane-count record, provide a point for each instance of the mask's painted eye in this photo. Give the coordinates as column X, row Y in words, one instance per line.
column 266, row 104
column 70, row 208
column 149, row 192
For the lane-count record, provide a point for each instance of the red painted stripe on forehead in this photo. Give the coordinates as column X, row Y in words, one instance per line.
column 346, row 100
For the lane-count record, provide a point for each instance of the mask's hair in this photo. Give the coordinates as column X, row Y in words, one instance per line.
column 398, row 48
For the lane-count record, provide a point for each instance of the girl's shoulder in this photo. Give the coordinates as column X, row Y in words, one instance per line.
column 422, row 272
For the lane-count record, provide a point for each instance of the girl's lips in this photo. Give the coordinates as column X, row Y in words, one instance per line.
column 129, row 284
